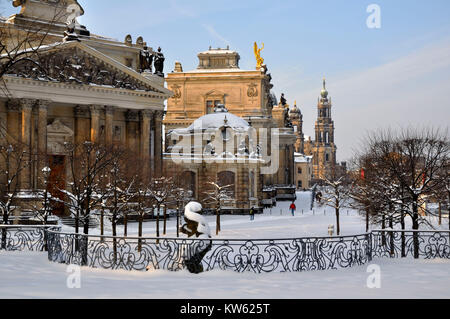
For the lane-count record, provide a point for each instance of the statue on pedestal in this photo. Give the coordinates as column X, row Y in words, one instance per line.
column 145, row 60
column 283, row 101
column 159, row 63
column 259, row 59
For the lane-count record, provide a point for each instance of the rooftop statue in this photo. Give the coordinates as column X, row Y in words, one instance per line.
column 283, row 101
column 146, row 60
column 259, row 59
column 159, row 63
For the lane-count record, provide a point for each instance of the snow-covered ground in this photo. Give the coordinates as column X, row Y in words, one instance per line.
column 274, row 223
column 30, row 275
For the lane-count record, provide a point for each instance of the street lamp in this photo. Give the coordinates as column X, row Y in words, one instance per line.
column 46, row 173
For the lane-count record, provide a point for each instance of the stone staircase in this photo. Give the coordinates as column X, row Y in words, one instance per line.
column 70, row 221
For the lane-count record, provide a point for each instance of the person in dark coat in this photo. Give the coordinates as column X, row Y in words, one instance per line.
column 252, row 213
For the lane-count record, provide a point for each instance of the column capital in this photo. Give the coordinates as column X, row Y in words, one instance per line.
column 43, row 104
column 159, row 115
column 109, row 109
column 95, row 109
column 81, row 111
column 132, row 116
column 147, row 113
column 13, row 105
column 27, row 104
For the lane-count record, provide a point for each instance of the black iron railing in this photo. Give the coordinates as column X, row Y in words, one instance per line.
column 19, row 238
column 260, row 255
column 410, row 243
column 264, row 255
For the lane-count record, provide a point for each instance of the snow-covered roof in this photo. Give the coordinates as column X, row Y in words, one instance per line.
column 301, row 158
column 217, row 120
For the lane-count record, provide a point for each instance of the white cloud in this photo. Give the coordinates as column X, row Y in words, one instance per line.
column 215, row 34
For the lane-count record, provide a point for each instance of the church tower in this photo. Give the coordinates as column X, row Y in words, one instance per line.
column 324, row 149
column 296, row 118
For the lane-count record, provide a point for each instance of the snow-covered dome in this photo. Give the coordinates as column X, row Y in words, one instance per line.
column 218, row 119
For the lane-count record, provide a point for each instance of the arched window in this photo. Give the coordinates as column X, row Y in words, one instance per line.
column 227, row 178
column 188, row 180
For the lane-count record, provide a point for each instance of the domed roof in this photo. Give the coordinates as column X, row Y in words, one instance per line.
column 218, row 119
column 294, row 109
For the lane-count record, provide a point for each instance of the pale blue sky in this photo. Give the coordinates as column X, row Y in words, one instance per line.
column 396, row 75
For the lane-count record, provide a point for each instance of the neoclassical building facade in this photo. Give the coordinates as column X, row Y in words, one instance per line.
column 85, row 89
column 218, row 80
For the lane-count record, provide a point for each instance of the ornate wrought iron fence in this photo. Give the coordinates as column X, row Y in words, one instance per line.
column 282, row 255
column 262, row 255
column 409, row 243
column 19, row 238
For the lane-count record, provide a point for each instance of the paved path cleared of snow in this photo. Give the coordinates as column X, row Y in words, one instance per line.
column 30, row 275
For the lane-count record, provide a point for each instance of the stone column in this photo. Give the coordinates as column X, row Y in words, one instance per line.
column 109, row 123
column 82, row 125
column 146, row 117
column 158, row 143
column 13, row 120
column 132, row 118
column 42, row 139
column 27, row 108
column 95, row 122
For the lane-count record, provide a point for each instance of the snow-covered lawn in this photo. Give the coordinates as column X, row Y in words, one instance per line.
column 274, row 223
column 30, row 275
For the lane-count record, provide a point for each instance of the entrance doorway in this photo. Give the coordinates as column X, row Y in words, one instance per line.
column 57, row 182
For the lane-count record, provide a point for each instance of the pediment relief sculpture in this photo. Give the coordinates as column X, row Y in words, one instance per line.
column 75, row 66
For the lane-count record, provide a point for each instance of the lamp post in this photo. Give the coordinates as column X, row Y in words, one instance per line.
column 46, row 174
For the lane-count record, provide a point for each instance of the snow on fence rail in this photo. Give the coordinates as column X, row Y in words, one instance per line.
column 21, row 237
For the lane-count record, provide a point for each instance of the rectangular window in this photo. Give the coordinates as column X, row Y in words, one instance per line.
column 209, row 107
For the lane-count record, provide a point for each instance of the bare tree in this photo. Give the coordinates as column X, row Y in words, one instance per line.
column 160, row 190
column 117, row 188
column 14, row 160
column 87, row 163
column 336, row 194
column 21, row 45
column 215, row 196
column 404, row 169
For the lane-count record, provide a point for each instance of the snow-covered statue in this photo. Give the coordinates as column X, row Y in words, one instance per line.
column 195, row 226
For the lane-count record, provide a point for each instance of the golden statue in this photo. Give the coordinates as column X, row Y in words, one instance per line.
column 259, row 59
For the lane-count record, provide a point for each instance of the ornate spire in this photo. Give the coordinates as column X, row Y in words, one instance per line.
column 324, row 92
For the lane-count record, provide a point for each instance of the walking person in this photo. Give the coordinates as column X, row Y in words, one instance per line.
column 293, row 208
column 252, row 213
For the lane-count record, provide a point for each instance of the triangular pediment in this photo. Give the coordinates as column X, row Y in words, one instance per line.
column 214, row 92
column 78, row 64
